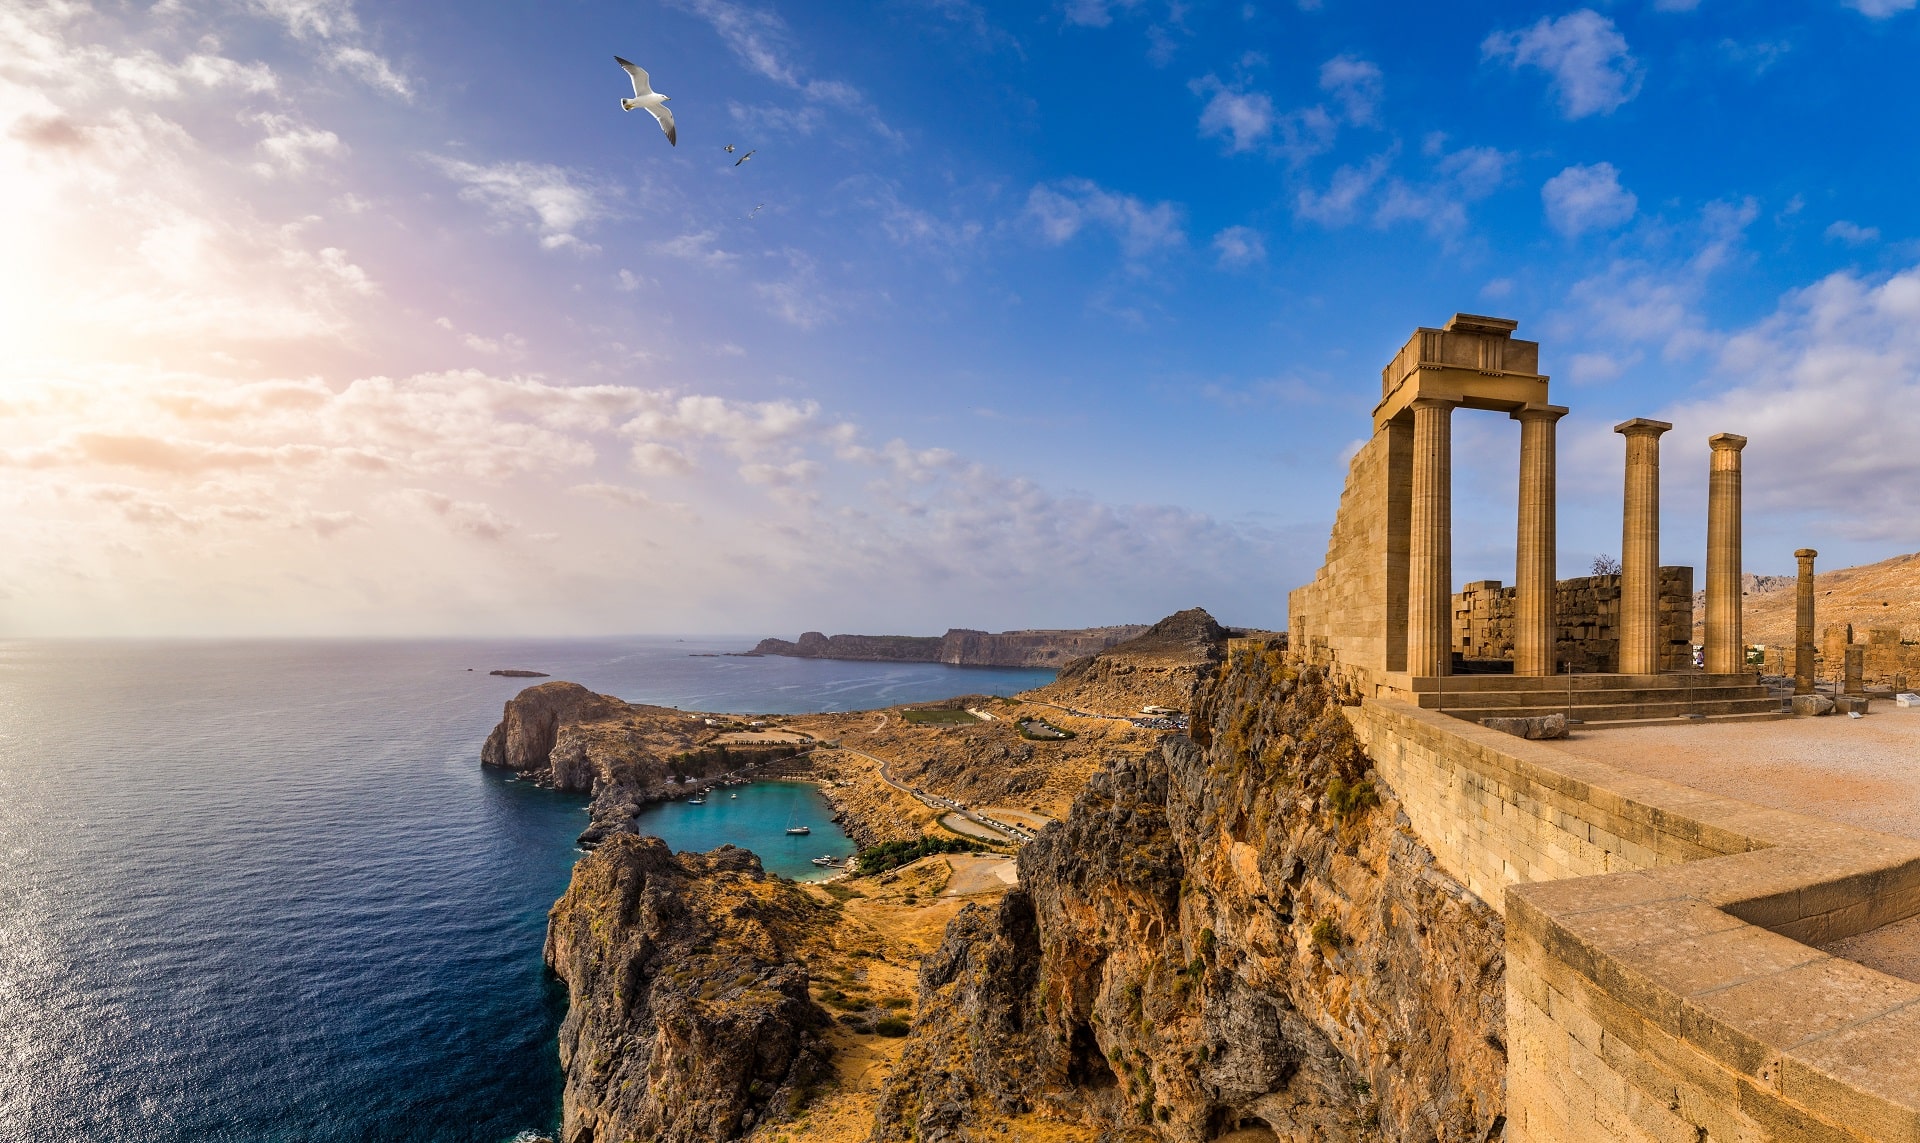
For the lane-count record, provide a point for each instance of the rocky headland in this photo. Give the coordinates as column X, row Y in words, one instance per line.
column 688, row 1017
column 959, row 647
column 1230, row 933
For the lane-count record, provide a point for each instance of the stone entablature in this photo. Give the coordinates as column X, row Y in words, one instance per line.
column 1661, row 979
column 1585, row 622
column 1474, row 362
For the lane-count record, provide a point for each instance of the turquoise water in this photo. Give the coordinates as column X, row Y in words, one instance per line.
column 756, row 819
column 264, row 891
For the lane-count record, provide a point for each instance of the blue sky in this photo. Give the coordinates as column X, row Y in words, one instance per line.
column 338, row 319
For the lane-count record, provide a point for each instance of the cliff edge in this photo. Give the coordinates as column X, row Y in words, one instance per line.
column 689, row 1018
column 1235, row 932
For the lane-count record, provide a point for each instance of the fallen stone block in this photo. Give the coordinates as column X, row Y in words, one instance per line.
column 1807, row 706
column 1852, row 704
column 1538, row 726
column 1907, row 699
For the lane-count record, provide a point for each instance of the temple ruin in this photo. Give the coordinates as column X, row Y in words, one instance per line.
column 1384, row 616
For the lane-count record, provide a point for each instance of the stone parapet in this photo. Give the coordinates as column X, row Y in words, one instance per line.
column 1661, row 979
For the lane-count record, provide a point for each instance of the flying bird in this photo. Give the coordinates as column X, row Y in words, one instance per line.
column 745, row 157
column 729, row 148
column 645, row 96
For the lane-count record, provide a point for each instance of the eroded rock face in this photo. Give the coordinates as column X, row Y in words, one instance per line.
column 1238, row 930
column 530, row 724
column 689, row 1019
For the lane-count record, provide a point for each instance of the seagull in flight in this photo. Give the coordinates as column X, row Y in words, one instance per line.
column 728, row 148
column 745, row 157
column 645, row 96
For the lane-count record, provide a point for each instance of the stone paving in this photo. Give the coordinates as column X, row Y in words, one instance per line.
column 1863, row 772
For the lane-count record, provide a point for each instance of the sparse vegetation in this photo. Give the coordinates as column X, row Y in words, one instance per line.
column 938, row 717
column 1346, row 799
column 1326, row 934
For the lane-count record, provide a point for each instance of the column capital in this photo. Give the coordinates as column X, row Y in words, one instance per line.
column 1641, row 426
column 1804, row 554
column 1547, row 413
column 1727, row 442
column 1433, row 403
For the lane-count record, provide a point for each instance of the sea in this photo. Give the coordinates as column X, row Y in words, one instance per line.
column 263, row 891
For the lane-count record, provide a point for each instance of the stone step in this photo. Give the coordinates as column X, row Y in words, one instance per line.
column 1610, row 724
column 1548, row 696
column 1592, row 713
column 1453, row 684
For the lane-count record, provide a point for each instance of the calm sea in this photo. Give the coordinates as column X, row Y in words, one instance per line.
column 263, row 891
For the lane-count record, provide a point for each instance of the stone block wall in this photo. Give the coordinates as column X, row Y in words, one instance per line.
column 1889, row 660
column 1586, row 613
column 1354, row 613
column 1662, row 979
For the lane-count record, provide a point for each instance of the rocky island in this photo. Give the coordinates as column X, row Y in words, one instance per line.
column 957, row 648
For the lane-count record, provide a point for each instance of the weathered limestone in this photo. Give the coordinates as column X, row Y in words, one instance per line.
column 1586, row 613
column 1803, row 624
column 1535, row 546
column 1726, row 648
column 1640, row 548
column 1430, row 540
column 1856, row 670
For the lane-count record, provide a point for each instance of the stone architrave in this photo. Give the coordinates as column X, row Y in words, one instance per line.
column 1535, row 546
column 1640, row 548
column 1803, row 624
column 1430, row 541
column 1726, row 649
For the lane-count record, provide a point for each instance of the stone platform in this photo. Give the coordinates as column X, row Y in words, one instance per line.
column 1592, row 700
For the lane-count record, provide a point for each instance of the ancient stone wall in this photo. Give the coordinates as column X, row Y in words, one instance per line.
column 1354, row 613
column 1586, row 619
column 1889, row 660
column 1662, row 982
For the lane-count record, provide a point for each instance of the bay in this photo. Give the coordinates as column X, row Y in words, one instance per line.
column 264, row 891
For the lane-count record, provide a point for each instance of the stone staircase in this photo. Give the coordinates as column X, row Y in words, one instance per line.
column 1601, row 700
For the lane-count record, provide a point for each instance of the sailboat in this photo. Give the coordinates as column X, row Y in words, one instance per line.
column 796, row 830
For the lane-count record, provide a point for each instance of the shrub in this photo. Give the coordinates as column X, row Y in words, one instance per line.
column 892, row 854
column 1346, row 800
column 1326, row 934
column 891, row 1026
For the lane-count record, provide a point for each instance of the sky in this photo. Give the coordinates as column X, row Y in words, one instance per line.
column 333, row 319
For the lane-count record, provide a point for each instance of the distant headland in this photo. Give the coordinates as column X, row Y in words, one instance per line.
column 959, row 647
column 519, row 674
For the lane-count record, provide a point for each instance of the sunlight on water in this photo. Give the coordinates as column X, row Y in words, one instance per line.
column 264, row 891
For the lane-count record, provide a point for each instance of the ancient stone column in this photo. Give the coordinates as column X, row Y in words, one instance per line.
column 1535, row 551
column 1640, row 549
column 1430, row 541
column 1726, row 650
column 1803, row 624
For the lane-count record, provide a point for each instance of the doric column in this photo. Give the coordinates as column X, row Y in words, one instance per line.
column 1535, row 548
column 1640, row 549
column 1726, row 647
column 1430, row 541
column 1803, row 624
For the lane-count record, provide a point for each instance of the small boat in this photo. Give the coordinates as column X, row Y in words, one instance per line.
column 798, row 831
column 733, row 795
column 827, row 859
column 697, row 800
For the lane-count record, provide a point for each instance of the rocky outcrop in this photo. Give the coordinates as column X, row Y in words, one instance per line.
column 958, row 647
column 1161, row 666
column 530, row 724
column 1237, row 930
column 626, row 755
column 689, row 1018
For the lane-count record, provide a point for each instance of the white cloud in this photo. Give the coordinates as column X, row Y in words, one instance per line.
column 1587, row 57
column 1461, row 177
column 1355, row 84
column 463, row 517
column 1853, row 234
column 1339, row 204
column 759, row 38
column 552, row 200
column 1064, row 208
column 1245, row 119
column 334, row 28
column 1239, row 246
column 1880, row 9
column 1579, row 199
column 291, row 147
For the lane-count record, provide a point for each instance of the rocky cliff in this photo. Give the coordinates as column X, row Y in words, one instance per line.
column 625, row 754
column 958, row 647
column 1162, row 665
column 689, row 1018
column 1237, row 931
